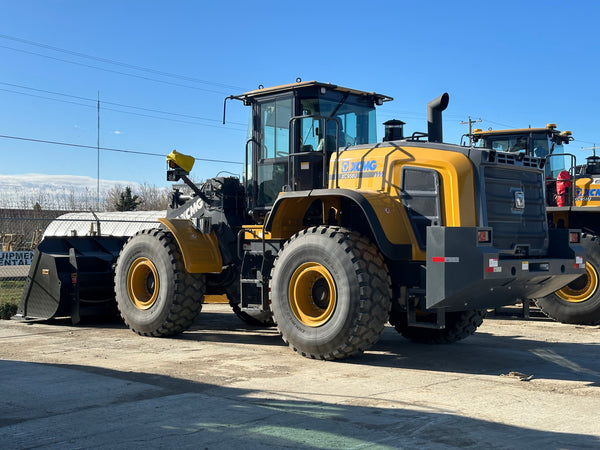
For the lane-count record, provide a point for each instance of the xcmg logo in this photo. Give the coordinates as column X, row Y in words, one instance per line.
column 358, row 166
column 587, row 192
column 582, row 195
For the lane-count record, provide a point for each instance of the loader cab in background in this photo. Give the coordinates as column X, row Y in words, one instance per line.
column 547, row 143
column 538, row 142
column 293, row 132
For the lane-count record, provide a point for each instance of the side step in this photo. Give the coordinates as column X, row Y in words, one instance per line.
column 412, row 318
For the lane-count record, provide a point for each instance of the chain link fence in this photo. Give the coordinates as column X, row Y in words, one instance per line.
column 21, row 231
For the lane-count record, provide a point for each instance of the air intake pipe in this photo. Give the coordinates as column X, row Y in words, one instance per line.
column 434, row 117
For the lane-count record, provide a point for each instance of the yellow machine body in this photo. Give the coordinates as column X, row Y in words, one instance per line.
column 587, row 191
column 374, row 176
column 200, row 251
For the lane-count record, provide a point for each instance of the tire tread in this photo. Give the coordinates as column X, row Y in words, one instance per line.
column 186, row 304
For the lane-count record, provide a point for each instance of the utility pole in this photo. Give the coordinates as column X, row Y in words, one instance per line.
column 471, row 122
column 593, row 149
column 98, row 159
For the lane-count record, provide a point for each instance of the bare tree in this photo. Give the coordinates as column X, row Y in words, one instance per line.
column 111, row 197
column 87, row 199
column 41, row 198
column 153, row 197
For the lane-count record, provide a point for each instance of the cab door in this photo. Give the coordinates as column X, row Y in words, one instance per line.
column 270, row 150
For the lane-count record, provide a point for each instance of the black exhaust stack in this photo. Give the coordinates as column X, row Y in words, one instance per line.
column 434, row 117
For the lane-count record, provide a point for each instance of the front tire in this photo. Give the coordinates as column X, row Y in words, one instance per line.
column 579, row 301
column 155, row 294
column 330, row 293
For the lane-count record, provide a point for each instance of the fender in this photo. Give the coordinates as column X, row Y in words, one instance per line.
column 388, row 222
column 200, row 251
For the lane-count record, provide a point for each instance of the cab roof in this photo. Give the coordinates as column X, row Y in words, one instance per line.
column 550, row 128
column 302, row 85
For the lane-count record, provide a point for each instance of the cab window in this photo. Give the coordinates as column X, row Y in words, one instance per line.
column 275, row 119
column 272, row 164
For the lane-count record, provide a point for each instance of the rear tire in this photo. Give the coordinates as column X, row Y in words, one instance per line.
column 155, row 294
column 459, row 325
column 579, row 301
column 330, row 293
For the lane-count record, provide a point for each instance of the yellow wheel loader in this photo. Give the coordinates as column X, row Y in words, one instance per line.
column 572, row 200
column 329, row 235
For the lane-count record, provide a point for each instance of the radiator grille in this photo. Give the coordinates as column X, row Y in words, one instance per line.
column 516, row 231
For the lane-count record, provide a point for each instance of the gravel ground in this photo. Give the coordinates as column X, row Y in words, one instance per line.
column 514, row 384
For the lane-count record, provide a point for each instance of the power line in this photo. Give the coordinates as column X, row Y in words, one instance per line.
column 119, row 63
column 585, row 142
column 121, row 111
column 173, row 120
column 116, row 71
column 68, row 144
column 46, row 98
column 499, row 123
column 104, row 102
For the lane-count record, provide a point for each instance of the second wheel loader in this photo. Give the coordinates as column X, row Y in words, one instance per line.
column 572, row 200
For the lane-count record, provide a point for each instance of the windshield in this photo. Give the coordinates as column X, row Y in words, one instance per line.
column 353, row 119
column 533, row 144
column 505, row 143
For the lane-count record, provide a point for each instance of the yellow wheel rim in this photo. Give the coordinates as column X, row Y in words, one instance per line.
column 312, row 294
column 582, row 288
column 142, row 283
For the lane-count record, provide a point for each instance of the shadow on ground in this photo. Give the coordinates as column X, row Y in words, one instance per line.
column 58, row 406
column 482, row 353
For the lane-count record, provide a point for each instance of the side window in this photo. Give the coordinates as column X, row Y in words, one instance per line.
column 272, row 159
column 275, row 118
column 421, row 199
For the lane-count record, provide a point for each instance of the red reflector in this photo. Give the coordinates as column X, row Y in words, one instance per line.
column 483, row 236
column 574, row 238
column 489, row 269
column 437, row 259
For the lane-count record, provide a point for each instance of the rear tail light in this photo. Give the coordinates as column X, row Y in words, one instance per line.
column 574, row 237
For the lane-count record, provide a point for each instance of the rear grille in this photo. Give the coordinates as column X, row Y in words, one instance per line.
column 522, row 232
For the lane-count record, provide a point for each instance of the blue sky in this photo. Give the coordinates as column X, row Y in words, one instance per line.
column 163, row 69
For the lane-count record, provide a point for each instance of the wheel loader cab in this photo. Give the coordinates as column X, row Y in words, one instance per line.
column 294, row 130
column 537, row 142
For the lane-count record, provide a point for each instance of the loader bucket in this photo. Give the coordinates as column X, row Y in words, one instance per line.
column 70, row 277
